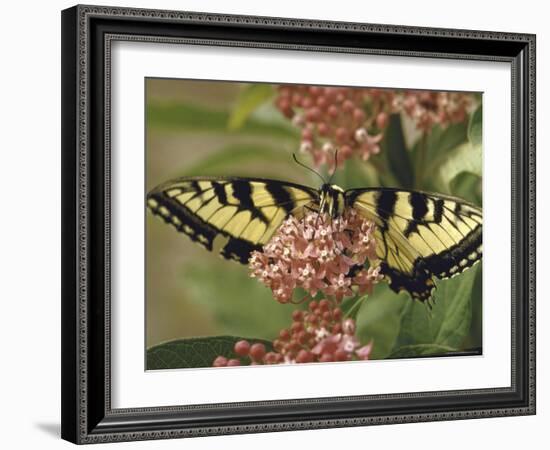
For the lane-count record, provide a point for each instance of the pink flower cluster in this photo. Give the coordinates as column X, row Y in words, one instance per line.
column 353, row 120
column 429, row 108
column 319, row 254
column 320, row 334
column 335, row 117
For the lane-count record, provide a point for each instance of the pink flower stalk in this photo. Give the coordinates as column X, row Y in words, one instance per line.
column 429, row 108
column 319, row 254
column 320, row 334
column 330, row 118
column 353, row 120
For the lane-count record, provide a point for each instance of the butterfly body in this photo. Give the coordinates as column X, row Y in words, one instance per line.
column 332, row 200
column 418, row 235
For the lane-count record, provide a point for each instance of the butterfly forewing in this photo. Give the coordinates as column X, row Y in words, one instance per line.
column 233, row 216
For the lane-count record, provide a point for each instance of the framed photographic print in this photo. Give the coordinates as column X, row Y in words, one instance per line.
column 282, row 224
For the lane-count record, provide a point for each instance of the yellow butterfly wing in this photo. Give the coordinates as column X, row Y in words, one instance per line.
column 420, row 235
column 232, row 216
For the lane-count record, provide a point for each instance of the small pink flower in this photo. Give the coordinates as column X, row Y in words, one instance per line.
column 348, row 343
column 367, row 278
column 370, row 146
column 339, row 286
column 282, row 292
column 328, row 344
column 364, row 352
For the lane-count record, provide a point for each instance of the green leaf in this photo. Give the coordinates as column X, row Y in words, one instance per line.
column 474, row 337
column 464, row 158
column 196, row 352
column 250, row 98
column 351, row 306
column 455, row 323
column 240, row 305
column 468, row 187
column 232, row 157
column 412, row 351
column 186, row 117
column 379, row 319
column 430, row 150
column 448, row 323
column 441, row 140
column 396, row 153
column 438, row 142
column 356, row 175
column 475, row 127
column 385, row 177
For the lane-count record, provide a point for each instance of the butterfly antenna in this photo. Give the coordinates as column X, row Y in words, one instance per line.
column 308, row 168
column 335, row 166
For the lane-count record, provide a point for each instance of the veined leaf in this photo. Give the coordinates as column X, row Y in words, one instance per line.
column 448, row 322
column 196, row 352
column 379, row 319
column 412, row 351
column 457, row 294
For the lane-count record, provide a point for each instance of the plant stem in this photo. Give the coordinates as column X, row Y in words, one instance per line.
column 353, row 307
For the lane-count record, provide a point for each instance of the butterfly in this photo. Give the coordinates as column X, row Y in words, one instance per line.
column 419, row 235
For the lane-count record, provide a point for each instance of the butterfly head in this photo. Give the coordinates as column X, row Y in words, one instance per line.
column 331, row 200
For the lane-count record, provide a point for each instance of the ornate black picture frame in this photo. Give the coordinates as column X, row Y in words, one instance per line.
column 87, row 35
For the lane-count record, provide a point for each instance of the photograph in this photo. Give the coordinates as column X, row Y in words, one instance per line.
column 283, row 222
column 298, row 224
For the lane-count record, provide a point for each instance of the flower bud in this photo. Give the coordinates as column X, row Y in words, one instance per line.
column 242, row 347
column 361, row 135
column 257, row 351
column 382, row 120
column 306, row 147
column 220, row 361
column 348, row 327
column 233, row 363
column 298, row 120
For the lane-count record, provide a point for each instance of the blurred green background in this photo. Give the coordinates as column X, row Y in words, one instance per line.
column 227, row 128
column 191, row 292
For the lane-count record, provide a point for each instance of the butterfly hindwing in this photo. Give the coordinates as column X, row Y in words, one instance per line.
column 232, row 216
column 420, row 235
